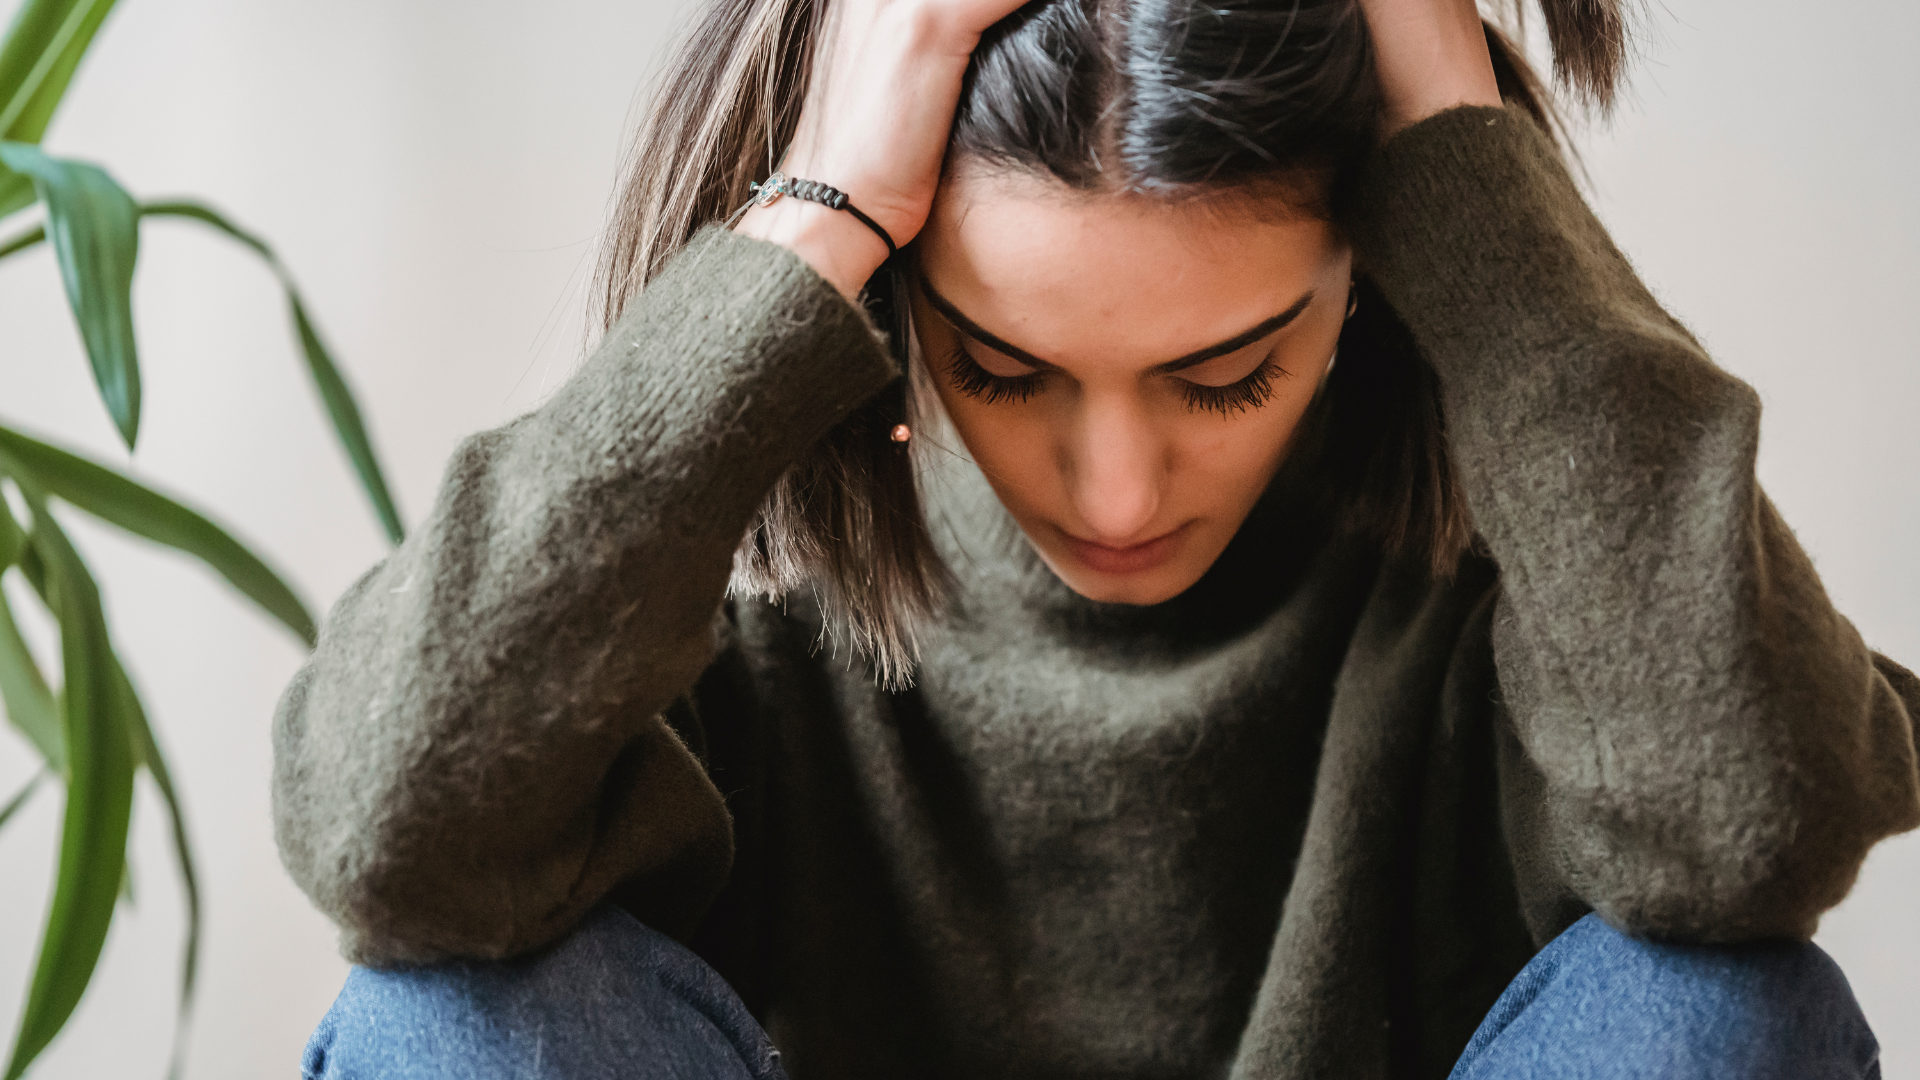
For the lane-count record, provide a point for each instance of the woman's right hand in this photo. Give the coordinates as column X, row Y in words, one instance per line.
column 875, row 124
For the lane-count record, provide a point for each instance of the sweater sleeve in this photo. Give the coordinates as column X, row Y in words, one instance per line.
column 1716, row 747
column 476, row 753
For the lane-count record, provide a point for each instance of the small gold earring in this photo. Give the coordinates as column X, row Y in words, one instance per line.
column 901, row 433
column 1353, row 299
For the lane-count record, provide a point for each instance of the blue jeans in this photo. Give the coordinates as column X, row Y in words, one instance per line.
column 617, row 999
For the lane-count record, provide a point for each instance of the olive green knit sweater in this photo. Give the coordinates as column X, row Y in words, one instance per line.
column 1305, row 820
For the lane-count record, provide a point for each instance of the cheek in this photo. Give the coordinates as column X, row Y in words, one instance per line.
column 1240, row 453
column 1012, row 444
column 1218, row 469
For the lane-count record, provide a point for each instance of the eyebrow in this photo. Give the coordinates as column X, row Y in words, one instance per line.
column 1233, row 344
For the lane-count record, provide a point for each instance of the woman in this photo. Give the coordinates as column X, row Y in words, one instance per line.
column 1350, row 640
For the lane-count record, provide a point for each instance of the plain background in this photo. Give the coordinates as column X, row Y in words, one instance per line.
column 435, row 174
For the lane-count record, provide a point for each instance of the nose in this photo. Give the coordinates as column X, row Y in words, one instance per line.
column 1115, row 466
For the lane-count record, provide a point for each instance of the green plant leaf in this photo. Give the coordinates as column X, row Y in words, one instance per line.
column 23, row 690
column 36, row 572
column 147, row 749
column 100, row 764
column 13, row 539
column 38, row 57
column 95, row 227
column 35, row 235
column 20, row 799
column 334, row 392
column 112, row 497
column 30, row 704
column 30, row 36
column 42, row 50
column 16, row 192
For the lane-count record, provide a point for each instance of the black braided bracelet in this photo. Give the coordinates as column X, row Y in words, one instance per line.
column 813, row 191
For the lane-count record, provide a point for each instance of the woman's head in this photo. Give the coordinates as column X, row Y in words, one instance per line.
column 1172, row 98
column 1130, row 188
column 1128, row 374
column 1128, row 296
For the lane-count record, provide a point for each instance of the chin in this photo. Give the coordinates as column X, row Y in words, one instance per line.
column 1141, row 589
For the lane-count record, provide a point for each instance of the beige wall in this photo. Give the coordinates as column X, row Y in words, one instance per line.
column 435, row 173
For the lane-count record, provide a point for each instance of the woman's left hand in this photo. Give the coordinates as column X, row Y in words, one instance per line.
column 1431, row 56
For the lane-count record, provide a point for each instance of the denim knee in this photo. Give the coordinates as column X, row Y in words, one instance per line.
column 1597, row 1004
column 615, row 998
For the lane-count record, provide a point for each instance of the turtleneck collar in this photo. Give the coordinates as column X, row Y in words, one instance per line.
column 1001, row 577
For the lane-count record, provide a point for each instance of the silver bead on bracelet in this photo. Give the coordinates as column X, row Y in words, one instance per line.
column 765, row 192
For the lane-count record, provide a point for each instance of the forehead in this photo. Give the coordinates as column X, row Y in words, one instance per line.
column 1063, row 273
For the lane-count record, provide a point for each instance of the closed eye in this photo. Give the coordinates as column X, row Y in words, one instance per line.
column 1251, row 391
column 975, row 381
column 1021, row 375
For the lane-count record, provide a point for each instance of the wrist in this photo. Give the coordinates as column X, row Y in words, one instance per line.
column 1462, row 92
column 1430, row 56
column 836, row 244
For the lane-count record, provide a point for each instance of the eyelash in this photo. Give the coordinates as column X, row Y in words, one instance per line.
column 1251, row 392
column 977, row 382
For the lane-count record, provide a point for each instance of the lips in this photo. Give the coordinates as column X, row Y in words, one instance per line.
column 1133, row 559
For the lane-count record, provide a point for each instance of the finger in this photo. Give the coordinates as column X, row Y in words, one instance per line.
column 956, row 25
column 981, row 14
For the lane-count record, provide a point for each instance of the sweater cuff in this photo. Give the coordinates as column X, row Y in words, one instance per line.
column 1471, row 226
column 753, row 310
column 733, row 361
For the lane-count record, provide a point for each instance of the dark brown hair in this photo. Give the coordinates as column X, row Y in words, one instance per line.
column 1162, row 98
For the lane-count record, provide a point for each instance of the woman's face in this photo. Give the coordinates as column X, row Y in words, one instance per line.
column 1127, row 374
